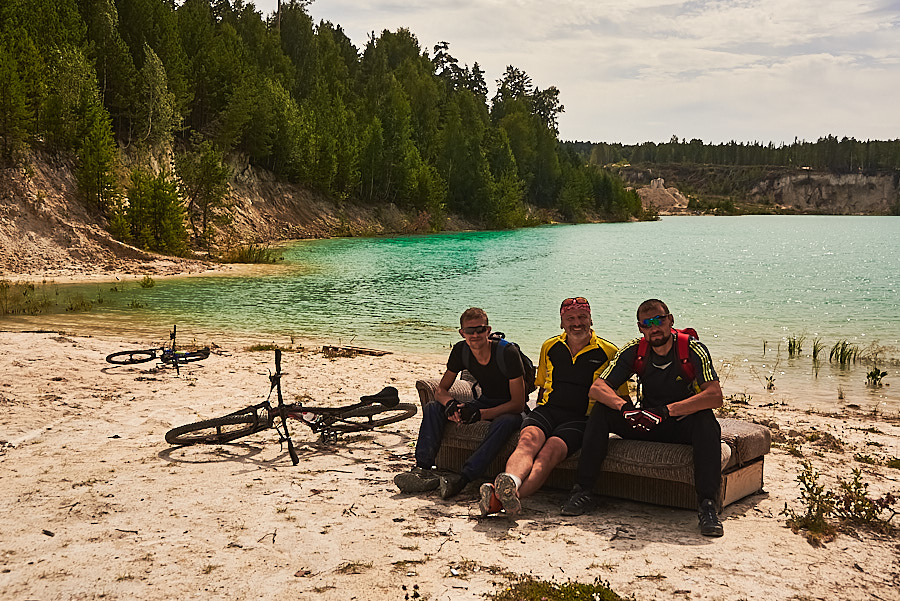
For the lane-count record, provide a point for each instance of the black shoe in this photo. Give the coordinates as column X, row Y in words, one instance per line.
column 452, row 484
column 709, row 519
column 416, row 480
column 579, row 502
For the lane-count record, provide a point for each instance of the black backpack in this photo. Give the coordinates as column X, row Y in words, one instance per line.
column 529, row 369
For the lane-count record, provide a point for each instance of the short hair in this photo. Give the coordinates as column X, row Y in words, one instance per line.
column 473, row 313
column 650, row 303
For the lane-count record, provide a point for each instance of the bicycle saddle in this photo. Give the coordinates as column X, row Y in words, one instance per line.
column 387, row 397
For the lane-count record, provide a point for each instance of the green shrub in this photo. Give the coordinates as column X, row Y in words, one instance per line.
column 78, row 303
column 147, row 282
column 851, row 505
column 529, row 588
column 252, row 253
column 818, row 503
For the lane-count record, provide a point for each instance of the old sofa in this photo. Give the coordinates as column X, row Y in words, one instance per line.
column 652, row 472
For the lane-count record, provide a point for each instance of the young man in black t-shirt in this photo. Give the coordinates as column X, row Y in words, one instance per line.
column 672, row 408
column 501, row 402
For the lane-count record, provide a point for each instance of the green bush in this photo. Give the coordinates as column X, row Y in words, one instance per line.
column 851, row 506
column 252, row 253
column 529, row 588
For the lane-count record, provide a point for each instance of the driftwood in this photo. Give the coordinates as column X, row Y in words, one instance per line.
column 353, row 350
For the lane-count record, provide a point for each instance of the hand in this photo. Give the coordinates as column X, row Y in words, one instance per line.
column 469, row 414
column 451, row 408
column 629, row 413
column 647, row 419
column 626, row 408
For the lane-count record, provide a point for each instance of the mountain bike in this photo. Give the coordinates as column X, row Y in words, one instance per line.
column 168, row 355
column 370, row 412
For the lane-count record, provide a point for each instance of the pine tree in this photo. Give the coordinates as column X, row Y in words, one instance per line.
column 15, row 115
column 97, row 157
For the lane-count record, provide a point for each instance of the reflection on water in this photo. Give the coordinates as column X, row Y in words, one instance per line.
column 747, row 284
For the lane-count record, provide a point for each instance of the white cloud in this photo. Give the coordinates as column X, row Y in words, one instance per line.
column 637, row 70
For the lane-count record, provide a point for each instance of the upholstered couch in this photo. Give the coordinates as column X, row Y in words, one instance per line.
column 652, row 472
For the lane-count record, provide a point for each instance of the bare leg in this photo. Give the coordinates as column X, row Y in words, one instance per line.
column 521, row 461
column 551, row 454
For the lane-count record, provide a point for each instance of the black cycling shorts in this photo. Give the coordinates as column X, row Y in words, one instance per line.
column 565, row 425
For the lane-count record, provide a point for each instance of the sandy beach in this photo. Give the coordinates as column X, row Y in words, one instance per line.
column 95, row 504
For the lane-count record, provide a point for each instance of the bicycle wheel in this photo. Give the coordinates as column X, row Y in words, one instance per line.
column 185, row 356
column 366, row 418
column 131, row 357
column 218, row 430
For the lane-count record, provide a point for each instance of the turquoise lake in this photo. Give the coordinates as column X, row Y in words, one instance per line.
column 747, row 284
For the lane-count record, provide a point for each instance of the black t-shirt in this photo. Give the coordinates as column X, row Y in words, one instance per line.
column 494, row 385
column 662, row 382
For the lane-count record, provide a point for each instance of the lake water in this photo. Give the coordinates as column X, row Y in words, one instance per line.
column 747, row 284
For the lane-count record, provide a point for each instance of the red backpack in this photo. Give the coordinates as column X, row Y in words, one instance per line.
column 682, row 340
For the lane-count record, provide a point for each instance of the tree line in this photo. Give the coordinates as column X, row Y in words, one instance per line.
column 845, row 155
column 388, row 123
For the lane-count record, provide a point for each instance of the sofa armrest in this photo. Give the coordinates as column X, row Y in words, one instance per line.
column 461, row 390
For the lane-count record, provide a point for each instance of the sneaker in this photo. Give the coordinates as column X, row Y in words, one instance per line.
column 709, row 519
column 488, row 502
column 416, row 480
column 579, row 502
column 506, row 490
column 452, row 484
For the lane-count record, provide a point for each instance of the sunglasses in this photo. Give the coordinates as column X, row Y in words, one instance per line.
column 574, row 300
column 652, row 321
column 474, row 330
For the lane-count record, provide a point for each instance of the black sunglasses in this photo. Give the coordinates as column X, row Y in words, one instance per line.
column 474, row 330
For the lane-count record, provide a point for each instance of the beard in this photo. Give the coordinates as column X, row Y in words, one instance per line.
column 660, row 341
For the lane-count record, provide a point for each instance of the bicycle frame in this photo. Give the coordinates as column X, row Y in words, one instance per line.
column 371, row 412
column 165, row 354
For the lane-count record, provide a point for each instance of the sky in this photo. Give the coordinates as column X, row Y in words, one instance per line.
column 633, row 71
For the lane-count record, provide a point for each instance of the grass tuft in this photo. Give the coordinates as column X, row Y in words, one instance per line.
column 529, row 588
column 795, row 346
column 844, row 353
column 252, row 253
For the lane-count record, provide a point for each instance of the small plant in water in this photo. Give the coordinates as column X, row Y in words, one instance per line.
column 795, row 345
column 770, row 383
column 873, row 378
column 147, row 282
column 252, row 253
column 78, row 303
column 844, row 353
column 818, row 347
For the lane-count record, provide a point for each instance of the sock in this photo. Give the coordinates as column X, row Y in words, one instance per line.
column 515, row 479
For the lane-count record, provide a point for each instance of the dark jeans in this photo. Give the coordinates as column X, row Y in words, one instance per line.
column 700, row 430
column 432, row 431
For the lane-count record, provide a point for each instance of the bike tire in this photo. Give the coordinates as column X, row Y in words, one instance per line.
column 373, row 416
column 218, row 430
column 186, row 356
column 131, row 357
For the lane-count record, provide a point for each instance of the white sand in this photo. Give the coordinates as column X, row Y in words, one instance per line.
column 94, row 504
